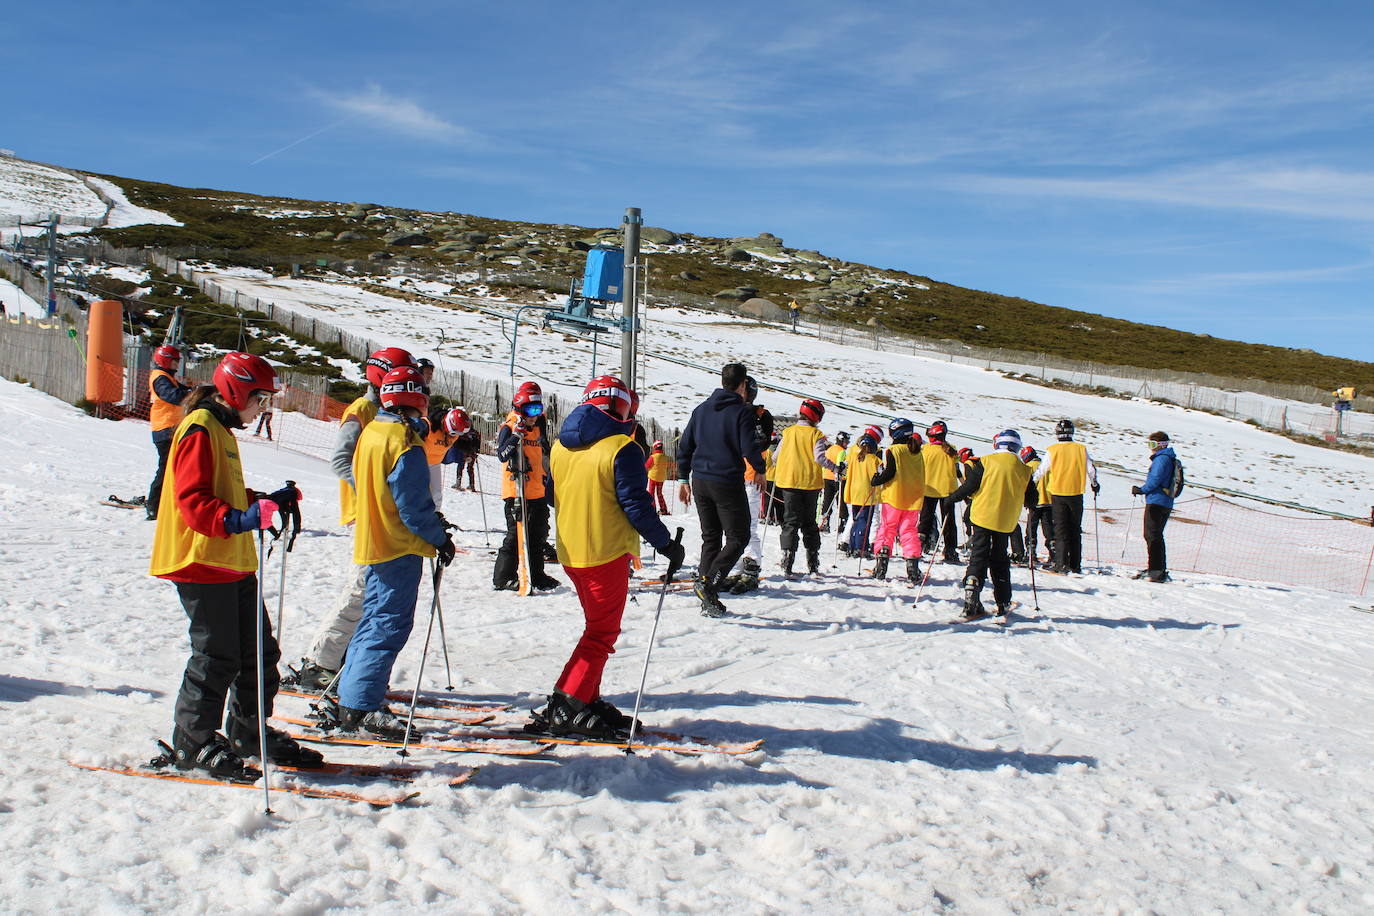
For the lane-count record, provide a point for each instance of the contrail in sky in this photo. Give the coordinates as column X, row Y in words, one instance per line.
column 300, row 141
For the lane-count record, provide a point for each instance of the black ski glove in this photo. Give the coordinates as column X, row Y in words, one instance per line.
column 1097, row 488
column 675, row 553
column 285, row 498
column 447, row 551
column 1136, row 491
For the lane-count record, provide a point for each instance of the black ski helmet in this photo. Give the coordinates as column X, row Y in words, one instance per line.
column 1063, row 430
column 842, row 438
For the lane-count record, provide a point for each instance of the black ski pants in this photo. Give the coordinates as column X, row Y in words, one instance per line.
column 723, row 512
column 987, row 556
column 507, row 568
column 799, row 517
column 949, row 536
column 832, row 490
column 1038, row 524
column 1156, row 517
column 1018, row 543
column 1068, row 532
column 164, row 447
column 223, row 663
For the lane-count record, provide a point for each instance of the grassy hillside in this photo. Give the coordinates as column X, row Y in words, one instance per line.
column 273, row 232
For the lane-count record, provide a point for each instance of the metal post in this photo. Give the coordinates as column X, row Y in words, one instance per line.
column 52, row 264
column 629, row 343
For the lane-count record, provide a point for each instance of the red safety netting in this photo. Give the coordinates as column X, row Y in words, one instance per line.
column 1219, row 535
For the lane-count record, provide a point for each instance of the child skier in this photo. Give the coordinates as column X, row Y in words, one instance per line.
column 204, row 544
column 942, row 479
column 657, row 465
column 860, row 493
column 800, row 458
column 997, row 485
column 520, row 447
column 834, row 482
column 903, row 483
column 397, row 527
column 467, row 445
column 166, row 393
column 602, row 508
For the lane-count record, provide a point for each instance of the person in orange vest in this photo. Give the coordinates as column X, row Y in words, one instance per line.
column 204, row 545
column 903, row 482
column 860, row 493
column 1069, row 470
column 166, row 393
column 321, row 663
column 520, row 449
column 996, row 484
column 833, row 484
column 603, row 508
column 800, row 458
column 657, row 465
column 438, row 444
column 941, row 463
column 397, row 526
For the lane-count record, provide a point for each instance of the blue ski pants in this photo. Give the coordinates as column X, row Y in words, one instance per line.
column 389, row 595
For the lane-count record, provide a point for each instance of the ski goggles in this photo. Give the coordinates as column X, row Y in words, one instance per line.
column 532, row 410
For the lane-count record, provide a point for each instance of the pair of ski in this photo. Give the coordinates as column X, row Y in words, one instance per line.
column 315, row 782
column 1001, row 620
column 138, row 502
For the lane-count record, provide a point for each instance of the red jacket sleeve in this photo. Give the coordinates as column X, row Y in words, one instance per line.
column 200, row 508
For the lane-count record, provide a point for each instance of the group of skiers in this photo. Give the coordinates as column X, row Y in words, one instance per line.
column 604, row 483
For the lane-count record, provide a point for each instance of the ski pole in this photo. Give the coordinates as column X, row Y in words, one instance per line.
column 443, row 637
column 1097, row 535
column 644, row 675
column 1126, row 535
column 1034, row 592
column 291, row 526
column 934, row 548
column 424, row 654
column 261, row 612
column 482, row 498
column 868, row 524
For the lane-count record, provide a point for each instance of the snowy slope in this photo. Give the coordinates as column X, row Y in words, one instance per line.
column 124, row 213
column 976, row 403
column 1201, row 747
column 32, row 191
column 18, row 302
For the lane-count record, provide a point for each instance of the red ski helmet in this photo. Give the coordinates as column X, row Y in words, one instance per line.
column 937, row 431
column 1029, row 454
column 915, row 439
column 874, row 433
column 383, row 361
column 528, row 399
column 966, row 454
column 812, row 410
column 166, row 357
column 404, row 386
column 238, row 375
column 612, row 397
column 658, row 446
column 456, row 422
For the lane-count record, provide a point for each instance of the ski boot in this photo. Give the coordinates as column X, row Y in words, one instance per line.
column 788, row 558
column 973, row 605
column 1018, row 559
column 544, row 582
column 706, row 592
column 568, row 716
column 310, row 677
column 880, row 568
column 913, row 571
column 612, row 716
column 748, row 578
column 1158, row 575
column 282, row 749
column 1003, row 612
column 214, row 757
column 379, row 723
column 813, row 562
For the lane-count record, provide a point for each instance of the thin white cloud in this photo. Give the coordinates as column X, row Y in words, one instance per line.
column 379, row 108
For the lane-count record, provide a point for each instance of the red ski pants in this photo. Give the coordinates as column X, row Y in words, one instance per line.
column 602, row 591
column 656, row 491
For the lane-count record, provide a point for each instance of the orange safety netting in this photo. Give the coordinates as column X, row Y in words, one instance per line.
column 1218, row 535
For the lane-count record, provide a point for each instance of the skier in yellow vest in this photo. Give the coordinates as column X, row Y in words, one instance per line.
column 1069, row 470
column 204, row 544
column 322, row 662
column 942, row 478
column 1038, row 508
column 801, row 456
column 903, row 481
column 397, row 527
column 165, row 395
column 860, row 493
column 834, row 483
column 603, row 509
column 657, row 466
column 997, row 484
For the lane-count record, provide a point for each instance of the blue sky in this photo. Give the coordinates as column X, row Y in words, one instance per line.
column 1202, row 166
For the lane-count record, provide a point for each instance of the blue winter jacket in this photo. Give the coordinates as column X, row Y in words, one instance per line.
column 585, row 426
column 1160, row 481
column 409, row 485
column 722, row 434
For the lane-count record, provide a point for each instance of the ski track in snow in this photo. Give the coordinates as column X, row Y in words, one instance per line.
column 1197, row 747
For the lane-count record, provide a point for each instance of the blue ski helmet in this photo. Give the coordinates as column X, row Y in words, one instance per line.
column 1008, row 439
column 900, row 428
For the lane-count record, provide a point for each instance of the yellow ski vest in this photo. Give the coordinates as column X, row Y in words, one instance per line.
column 836, row 454
column 796, row 465
column 1068, row 474
column 592, row 529
column 907, row 488
column 379, row 534
column 998, row 502
column 365, row 411
column 858, row 481
column 942, row 478
column 1042, row 494
column 175, row 544
column 658, row 469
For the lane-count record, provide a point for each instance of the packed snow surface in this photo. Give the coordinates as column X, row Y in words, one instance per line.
column 32, row 191
column 1202, row 746
column 18, row 302
column 123, row 213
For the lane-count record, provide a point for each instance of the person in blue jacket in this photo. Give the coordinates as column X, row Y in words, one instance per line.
column 1159, row 503
column 722, row 434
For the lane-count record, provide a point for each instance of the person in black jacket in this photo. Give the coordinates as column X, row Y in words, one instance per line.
column 722, row 434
